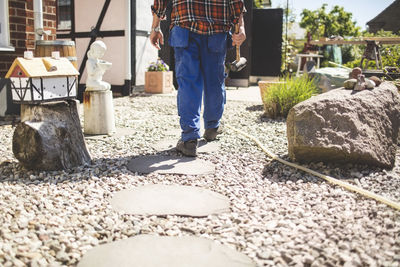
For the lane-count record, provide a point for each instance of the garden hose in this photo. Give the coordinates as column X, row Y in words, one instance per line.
column 327, row 178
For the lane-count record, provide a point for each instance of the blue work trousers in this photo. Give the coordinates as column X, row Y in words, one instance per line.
column 200, row 72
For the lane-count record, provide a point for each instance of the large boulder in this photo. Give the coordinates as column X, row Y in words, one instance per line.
column 346, row 126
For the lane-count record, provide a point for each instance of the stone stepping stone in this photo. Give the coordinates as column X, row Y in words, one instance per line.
column 160, row 200
column 120, row 132
column 203, row 146
column 166, row 251
column 171, row 165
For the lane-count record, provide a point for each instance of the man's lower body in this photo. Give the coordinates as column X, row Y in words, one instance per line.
column 200, row 72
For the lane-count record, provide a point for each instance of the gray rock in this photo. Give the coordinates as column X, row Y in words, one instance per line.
column 369, row 84
column 346, row 126
column 349, row 84
column 147, row 250
column 169, row 200
column 62, row 256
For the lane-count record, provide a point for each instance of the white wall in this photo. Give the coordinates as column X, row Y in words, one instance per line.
column 87, row 13
column 145, row 52
column 3, row 100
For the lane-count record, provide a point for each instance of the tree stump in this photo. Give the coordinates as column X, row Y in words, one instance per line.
column 50, row 137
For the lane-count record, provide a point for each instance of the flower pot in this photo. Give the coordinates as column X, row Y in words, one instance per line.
column 158, row 82
column 271, row 109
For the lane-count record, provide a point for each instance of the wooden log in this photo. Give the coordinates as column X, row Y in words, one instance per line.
column 50, row 137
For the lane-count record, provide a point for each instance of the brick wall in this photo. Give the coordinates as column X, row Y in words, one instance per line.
column 21, row 22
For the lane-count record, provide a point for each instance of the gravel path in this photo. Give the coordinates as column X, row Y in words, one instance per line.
column 279, row 216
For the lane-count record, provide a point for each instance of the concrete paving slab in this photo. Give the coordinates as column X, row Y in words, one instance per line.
column 160, row 199
column 249, row 94
column 166, row 251
column 203, row 146
column 120, row 132
column 171, row 165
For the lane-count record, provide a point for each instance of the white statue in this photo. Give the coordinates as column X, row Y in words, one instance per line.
column 97, row 67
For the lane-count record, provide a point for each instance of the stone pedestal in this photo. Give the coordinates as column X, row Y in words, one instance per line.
column 98, row 112
column 50, row 137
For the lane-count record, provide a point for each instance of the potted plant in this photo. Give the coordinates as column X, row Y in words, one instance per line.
column 158, row 78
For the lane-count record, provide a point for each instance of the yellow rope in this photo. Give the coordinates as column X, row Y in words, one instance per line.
column 329, row 179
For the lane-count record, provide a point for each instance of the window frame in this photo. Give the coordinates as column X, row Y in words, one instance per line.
column 58, row 12
column 5, row 44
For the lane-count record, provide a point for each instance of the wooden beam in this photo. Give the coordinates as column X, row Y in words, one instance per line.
column 360, row 41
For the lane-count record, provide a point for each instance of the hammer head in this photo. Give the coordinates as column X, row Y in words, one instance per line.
column 236, row 66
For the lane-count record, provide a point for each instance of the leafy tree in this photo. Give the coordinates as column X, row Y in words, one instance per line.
column 322, row 24
column 260, row 3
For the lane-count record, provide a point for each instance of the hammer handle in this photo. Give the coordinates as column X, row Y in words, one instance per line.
column 237, row 46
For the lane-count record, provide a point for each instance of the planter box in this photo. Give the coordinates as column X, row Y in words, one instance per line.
column 271, row 109
column 158, row 82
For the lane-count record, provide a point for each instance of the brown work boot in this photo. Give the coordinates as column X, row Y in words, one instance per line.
column 210, row 134
column 187, row 148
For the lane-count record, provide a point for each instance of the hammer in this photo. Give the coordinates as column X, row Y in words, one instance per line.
column 240, row 62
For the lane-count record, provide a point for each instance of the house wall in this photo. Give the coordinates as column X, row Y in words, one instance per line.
column 21, row 23
column 116, row 53
column 145, row 52
column 114, row 20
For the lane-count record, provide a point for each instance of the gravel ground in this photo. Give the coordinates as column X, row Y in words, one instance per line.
column 279, row 216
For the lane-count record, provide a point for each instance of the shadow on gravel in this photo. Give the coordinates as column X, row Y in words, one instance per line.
column 255, row 108
column 13, row 172
column 281, row 173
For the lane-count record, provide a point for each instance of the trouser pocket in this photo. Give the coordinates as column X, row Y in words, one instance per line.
column 179, row 37
column 217, row 42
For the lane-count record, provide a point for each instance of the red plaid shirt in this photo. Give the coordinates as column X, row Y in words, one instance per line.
column 201, row 16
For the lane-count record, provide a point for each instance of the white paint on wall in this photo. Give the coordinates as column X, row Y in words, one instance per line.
column 145, row 52
column 143, row 14
column 128, row 40
column 53, row 88
column 3, row 100
column 87, row 13
column 115, row 16
column 20, row 84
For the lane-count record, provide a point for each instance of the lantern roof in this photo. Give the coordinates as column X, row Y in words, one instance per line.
column 43, row 67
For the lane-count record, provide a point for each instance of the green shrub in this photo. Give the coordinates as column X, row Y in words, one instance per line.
column 290, row 92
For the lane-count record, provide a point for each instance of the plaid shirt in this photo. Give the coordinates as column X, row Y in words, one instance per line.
column 201, row 16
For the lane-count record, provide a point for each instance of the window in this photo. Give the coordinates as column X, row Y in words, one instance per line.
column 64, row 14
column 4, row 28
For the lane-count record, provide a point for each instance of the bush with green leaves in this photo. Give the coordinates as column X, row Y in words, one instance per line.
column 290, row 92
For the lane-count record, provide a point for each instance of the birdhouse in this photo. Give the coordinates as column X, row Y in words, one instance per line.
column 41, row 79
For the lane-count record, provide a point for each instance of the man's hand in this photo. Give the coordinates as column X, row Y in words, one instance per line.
column 239, row 38
column 156, row 38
